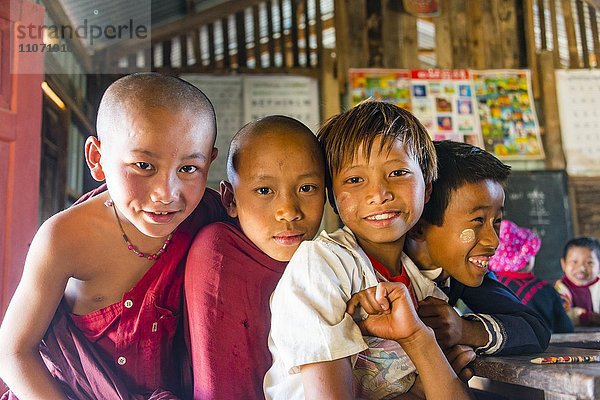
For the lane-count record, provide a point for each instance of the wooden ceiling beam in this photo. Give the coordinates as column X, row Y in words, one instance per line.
column 180, row 26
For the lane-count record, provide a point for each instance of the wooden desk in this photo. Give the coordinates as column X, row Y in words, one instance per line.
column 554, row 381
column 588, row 338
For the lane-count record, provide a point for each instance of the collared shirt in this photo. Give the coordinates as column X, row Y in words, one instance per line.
column 402, row 278
column 309, row 323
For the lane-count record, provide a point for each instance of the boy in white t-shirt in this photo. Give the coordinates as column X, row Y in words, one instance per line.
column 380, row 165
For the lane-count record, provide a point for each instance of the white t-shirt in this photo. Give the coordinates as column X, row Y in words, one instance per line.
column 309, row 323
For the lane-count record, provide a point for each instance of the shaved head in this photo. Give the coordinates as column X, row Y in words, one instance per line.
column 271, row 125
column 148, row 92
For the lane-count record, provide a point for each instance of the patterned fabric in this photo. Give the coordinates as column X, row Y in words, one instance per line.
column 517, row 246
column 383, row 370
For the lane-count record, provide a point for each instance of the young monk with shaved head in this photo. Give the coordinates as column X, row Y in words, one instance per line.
column 102, row 283
column 276, row 190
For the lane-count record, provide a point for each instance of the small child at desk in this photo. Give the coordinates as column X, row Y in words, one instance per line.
column 579, row 288
column 513, row 265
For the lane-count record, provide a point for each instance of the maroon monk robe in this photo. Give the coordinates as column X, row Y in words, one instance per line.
column 228, row 283
column 133, row 349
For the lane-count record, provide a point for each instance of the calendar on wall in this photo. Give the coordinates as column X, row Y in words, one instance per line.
column 294, row 96
column 578, row 93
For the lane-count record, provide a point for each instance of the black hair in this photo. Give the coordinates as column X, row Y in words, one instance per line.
column 583, row 241
column 459, row 164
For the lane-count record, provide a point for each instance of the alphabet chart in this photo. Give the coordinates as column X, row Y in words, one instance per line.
column 578, row 93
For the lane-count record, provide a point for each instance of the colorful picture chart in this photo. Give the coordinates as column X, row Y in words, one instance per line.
column 507, row 114
column 578, row 93
column 225, row 93
column 444, row 102
column 294, row 96
column 391, row 85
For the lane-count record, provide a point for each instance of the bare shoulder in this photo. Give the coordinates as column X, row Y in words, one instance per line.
column 70, row 237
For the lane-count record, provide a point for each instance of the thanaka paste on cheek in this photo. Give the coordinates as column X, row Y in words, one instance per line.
column 467, row 235
column 342, row 201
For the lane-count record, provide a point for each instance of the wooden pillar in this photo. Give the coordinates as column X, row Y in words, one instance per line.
column 477, row 37
column 460, row 36
column 492, row 49
column 350, row 38
column 571, row 36
column 443, row 37
column 532, row 61
column 555, row 158
column 330, row 105
column 399, row 36
column 506, row 15
column 392, row 40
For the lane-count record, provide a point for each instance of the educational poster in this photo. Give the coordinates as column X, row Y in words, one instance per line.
column 225, row 93
column 391, row 85
column 507, row 114
column 444, row 102
column 294, row 96
column 578, row 93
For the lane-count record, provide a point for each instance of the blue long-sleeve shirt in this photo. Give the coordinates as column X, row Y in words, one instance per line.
column 521, row 328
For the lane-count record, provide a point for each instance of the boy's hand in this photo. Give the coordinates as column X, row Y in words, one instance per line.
column 460, row 357
column 444, row 320
column 398, row 322
column 373, row 300
column 594, row 319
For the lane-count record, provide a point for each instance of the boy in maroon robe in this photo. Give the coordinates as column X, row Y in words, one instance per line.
column 276, row 189
column 102, row 283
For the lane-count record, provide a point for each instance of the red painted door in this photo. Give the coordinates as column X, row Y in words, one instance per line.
column 20, row 125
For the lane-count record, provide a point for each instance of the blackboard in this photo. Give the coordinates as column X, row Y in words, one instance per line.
column 539, row 200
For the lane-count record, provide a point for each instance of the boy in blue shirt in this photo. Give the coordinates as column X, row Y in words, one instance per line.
column 452, row 244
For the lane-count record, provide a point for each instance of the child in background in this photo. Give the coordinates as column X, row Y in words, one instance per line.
column 103, row 280
column 380, row 165
column 276, row 190
column 579, row 288
column 513, row 265
column 452, row 244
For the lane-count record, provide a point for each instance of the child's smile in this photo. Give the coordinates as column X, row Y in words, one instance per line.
column 380, row 197
column 468, row 236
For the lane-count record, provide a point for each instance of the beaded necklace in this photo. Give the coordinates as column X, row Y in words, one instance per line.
column 155, row 256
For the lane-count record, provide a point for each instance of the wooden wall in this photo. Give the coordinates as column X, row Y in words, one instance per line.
column 541, row 35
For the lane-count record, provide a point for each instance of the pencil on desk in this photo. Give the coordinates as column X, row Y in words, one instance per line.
column 566, row 359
